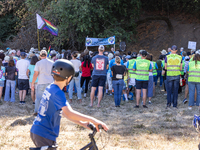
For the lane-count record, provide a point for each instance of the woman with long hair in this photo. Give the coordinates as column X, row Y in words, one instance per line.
column 2, row 77
column 86, row 67
column 194, row 80
column 29, row 73
column 11, row 72
column 118, row 73
column 76, row 78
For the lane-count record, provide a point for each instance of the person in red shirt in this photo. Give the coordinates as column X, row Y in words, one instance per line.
column 86, row 67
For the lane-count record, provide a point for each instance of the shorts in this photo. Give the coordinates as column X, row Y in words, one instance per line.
column 132, row 81
column 98, row 80
column 41, row 141
column 35, row 85
column 141, row 84
column 2, row 83
column 23, row 84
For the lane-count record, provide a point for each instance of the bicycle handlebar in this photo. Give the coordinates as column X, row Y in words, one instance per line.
column 93, row 128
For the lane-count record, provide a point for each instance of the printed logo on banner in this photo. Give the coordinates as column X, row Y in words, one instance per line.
column 100, row 64
column 111, row 40
column 88, row 42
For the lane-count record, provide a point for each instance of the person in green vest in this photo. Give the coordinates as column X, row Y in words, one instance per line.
column 194, row 80
column 142, row 68
column 173, row 65
column 131, row 73
column 155, row 75
column 159, row 65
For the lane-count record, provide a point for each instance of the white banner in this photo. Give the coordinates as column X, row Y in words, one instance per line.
column 192, row 45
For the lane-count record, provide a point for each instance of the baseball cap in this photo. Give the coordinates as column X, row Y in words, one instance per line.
column 181, row 48
column 23, row 54
column 7, row 58
column 43, row 53
column 144, row 53
column 174, row 47
column 140, row 52
column 101, row 47
column 134, row 55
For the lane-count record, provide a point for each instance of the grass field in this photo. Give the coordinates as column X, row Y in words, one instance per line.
column 155, row 128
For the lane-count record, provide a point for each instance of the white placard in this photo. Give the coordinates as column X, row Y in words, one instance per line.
column 192, row 45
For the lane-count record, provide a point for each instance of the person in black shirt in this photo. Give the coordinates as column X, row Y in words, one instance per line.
column 118, row 72
column 11, row 71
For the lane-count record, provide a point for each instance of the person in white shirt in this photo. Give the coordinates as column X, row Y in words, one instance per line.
column 76, row 79
column 23, row 81
column 42, row 70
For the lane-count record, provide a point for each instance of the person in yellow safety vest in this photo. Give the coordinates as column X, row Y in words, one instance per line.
column 194, row 80
column 131, row 73
column 173, row 65
column 142, row 68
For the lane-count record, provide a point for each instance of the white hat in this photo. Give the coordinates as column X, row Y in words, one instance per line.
column 101, row 48
column 110, row 55
column 12, row 51
column 164, row 52
column 32, row 49
column 6, row 58
column 197, row 52
column 181, row 48
column 1, row 51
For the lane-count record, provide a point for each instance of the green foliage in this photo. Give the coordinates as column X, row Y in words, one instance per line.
column 7, row 26
column 81, row 18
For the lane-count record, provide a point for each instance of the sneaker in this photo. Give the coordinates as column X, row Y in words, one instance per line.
column 190, row 108
column 126, row 100
column 185, row 101
column 20, row 102
column 23, row 102
column 33, row 103
column 111, row 94
column 165, row 94
column 150, row 102
column 195, row 103
column 136, row 106
column 84, row 94
column 144, row 106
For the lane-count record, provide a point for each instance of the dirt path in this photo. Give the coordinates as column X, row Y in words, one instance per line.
column 155, row 128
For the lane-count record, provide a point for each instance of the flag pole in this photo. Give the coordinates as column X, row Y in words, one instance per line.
column 38, row 39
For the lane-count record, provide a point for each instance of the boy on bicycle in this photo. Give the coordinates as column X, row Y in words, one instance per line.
column 45, row 128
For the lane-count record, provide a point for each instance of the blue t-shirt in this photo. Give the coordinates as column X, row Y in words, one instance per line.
column 134, row 67
column 31, row 68
column 100, row 63
column 47, row 122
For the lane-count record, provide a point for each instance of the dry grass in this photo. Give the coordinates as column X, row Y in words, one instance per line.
column 155, row 128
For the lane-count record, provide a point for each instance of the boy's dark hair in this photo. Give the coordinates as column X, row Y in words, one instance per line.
column 11, row 63
column 58, row 78
column 129, row 52
column 34, row 59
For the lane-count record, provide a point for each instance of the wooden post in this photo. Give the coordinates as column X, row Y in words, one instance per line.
column 38, row 39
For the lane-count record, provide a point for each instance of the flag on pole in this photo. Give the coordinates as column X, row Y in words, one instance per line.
column 46, row 25
column 48, row 51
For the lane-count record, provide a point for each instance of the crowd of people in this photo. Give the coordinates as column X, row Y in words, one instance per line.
column 104, row 72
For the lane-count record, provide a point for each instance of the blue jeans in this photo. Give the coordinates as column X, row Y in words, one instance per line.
column 159, row 75
column 75, row 80
column 10, row 84
column 172, row 87
column 39, row 92
column 118, row 87
column 192, row 87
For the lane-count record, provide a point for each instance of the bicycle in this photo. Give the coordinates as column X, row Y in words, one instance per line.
column 91, row 146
